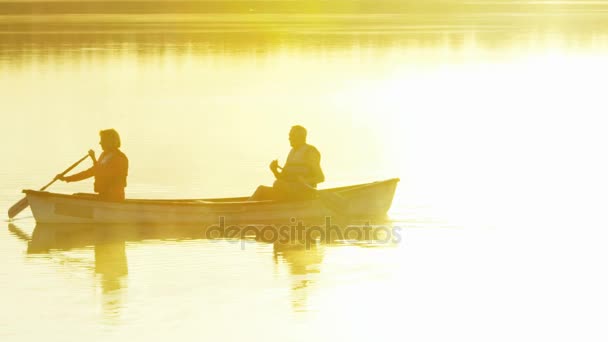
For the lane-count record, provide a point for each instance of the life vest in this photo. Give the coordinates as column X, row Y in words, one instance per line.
column 302, row 161
column 111, row 173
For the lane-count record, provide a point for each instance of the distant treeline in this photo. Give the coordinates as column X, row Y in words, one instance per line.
column 283, row 6
column 149, row 7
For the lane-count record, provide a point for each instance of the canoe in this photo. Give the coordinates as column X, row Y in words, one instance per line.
column 368, row 200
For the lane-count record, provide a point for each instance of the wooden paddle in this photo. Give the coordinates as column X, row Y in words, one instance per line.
column 332, row 200
column 22, row 204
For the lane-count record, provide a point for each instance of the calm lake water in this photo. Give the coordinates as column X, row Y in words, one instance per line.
column 493, row 121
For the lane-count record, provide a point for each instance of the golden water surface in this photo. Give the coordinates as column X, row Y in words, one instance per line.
column 492, row 119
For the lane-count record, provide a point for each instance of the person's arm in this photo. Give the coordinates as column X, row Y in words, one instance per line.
column 274, row 167
column 92, row 155
column 314, row 162
column 88, row 173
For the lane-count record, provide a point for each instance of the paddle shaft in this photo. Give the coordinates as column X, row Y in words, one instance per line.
column 22, row 204
column 333, row 200
column 66, row 171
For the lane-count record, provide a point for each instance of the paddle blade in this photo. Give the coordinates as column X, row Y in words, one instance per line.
column 18, row 207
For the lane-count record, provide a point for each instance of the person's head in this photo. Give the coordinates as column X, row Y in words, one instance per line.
column 297, row 136
column 109, row 139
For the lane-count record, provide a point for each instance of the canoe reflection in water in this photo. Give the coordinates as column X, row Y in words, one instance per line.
column 110, row 257
column 302, row 258
column 303, row 261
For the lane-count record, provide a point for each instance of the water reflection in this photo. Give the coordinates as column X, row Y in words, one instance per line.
column 304, row 261
column 106, row 249
column 109, row 254
column 84, row 37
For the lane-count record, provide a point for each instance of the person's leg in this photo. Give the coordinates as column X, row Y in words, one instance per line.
column 299, row 191
column 290, row 191
column 281, row 190
column 262, row 193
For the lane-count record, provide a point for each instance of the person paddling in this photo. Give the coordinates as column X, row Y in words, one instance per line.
column 300, row 175
column 110, row 171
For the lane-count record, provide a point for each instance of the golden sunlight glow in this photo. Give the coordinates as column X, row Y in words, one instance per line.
column 491, row 114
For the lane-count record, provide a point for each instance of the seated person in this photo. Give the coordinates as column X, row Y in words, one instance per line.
column 110, row 171
column 300, row 175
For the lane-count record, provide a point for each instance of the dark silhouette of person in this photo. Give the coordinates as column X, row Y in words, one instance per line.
column 299, row 177
column 110, row 171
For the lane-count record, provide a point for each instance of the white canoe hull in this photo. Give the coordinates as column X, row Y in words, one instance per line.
column 363, row 201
